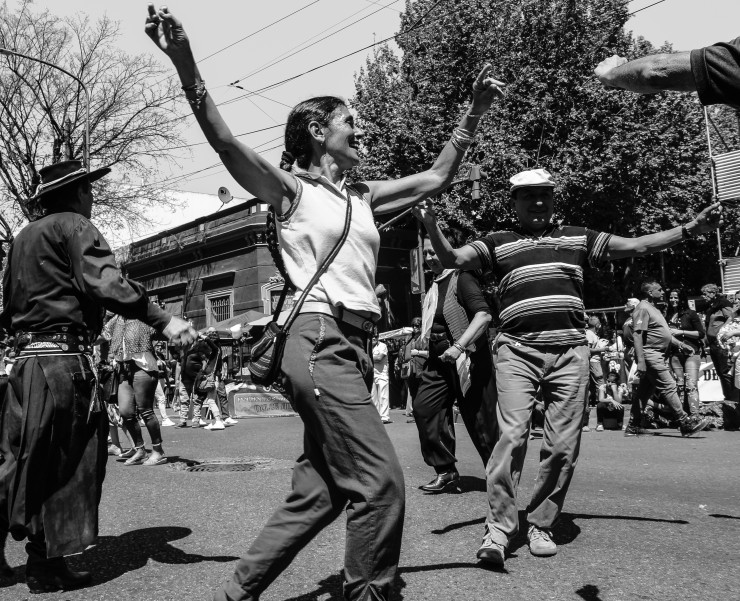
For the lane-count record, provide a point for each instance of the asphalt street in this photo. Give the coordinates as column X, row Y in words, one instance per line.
column 653, row 517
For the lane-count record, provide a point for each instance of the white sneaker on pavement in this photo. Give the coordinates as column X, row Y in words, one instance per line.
column 540, row 542
column 217, row 425
column 167, row 422
column 491, row 552
column 202, row 422
column 230, row 421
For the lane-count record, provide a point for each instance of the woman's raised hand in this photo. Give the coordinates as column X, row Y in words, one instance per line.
column 167, row 33
column 485, row 89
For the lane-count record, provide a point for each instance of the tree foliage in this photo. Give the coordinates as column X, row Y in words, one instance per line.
column 42, row 114
column 624, row 163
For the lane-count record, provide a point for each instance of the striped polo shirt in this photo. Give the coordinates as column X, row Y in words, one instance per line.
column 540, row 281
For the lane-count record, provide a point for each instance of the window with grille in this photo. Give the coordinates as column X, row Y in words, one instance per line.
column 220, row 308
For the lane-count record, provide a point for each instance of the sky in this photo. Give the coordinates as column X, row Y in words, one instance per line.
column 333, row 28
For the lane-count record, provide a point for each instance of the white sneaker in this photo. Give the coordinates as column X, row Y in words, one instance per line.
column 202, row 422
column 540, row 542
column 599, row 428
column 217, row 425
column 167, row 422
column 230, row 421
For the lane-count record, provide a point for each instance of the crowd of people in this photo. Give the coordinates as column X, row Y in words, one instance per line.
column 546, row 358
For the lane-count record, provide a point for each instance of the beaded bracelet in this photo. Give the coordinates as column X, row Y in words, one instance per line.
column 199, row 87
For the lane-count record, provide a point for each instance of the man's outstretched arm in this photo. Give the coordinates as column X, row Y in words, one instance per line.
column 649, row 74
column 706, row 221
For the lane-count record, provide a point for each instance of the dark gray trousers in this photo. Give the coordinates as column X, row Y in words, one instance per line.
column 348, row 464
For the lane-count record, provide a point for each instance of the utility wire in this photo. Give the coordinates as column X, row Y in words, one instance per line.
column 312, row 44
column 307, row 40
column 284, row 81
column 260, row 30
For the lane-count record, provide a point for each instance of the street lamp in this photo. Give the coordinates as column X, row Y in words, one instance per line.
column 86, row 148
column 236, row 334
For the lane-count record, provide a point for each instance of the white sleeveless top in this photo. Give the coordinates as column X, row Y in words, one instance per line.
column 308, row 231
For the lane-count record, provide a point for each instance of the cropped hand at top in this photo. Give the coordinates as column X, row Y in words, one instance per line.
column 485, row 89
column 167, row 32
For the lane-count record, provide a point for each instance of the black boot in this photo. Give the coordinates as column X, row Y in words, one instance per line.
column 445, row 482
column 48, row 575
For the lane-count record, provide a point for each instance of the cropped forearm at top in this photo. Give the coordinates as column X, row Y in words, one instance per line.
column 653, row 73
column 478, row 325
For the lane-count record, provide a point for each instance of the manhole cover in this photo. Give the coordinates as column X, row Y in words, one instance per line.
column 226, row 464
column 221, row 467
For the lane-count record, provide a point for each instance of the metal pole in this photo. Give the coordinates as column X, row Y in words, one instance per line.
column 714, row 197
column 86, row 147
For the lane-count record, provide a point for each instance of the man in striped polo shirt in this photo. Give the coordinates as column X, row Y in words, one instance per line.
column 541, row 345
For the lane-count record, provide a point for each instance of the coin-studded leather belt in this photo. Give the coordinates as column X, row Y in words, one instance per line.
column 65, row 341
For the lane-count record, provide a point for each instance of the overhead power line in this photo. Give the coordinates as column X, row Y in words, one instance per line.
column 259, row 70
column 303, row 73
column 260, row 30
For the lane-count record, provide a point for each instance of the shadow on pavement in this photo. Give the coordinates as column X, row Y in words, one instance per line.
column 724, row 516
column 451, row 527
column 332, row 586
column 589, row 592
column 114, row 556
column 472, row 484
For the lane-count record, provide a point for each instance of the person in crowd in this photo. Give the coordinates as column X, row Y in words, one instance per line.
column 218, row 370
column 380, row 379
column 198, row 384
column 728, row 337
column 653, row 344
column 718, row 311
column 59, row 278
column 609, row 409
column 686, row 326
column 541, row 345
column 348, row 459
column 458, row 368
column 160, row 392
column 596, row 349
column 713, row 72
column 411, row 362
column 132, row 347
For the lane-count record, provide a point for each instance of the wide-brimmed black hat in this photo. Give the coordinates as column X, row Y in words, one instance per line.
column 62, row 174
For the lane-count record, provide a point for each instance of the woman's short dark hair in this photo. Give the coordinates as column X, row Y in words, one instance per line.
column 297, row 136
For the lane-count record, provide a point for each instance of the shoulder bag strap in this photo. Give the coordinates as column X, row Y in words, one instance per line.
column 322, row 269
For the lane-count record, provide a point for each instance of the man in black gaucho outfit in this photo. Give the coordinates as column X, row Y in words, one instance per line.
column 60, row 278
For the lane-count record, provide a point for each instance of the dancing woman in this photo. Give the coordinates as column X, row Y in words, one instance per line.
column 348, row 462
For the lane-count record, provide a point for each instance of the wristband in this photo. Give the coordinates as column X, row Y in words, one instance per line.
column 459, row 347
column 685, row 232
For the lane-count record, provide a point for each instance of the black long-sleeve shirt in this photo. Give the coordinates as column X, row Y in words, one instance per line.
column 61, row 273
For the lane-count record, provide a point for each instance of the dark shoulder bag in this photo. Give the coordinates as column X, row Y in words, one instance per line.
column 267, row 353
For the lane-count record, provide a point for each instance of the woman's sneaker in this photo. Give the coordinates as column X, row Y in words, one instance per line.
column 230, row 421
column 167, row 422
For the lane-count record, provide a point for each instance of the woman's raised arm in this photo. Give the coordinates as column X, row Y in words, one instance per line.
column 394, row 195
column 254, row 174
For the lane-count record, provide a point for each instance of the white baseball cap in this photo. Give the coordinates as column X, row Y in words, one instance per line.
column 532, row 178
